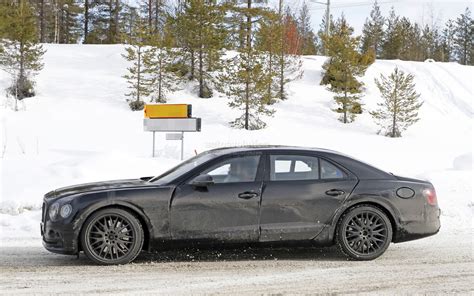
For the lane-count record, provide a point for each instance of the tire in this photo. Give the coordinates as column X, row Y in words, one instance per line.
column 112, row 236
column 364, row 232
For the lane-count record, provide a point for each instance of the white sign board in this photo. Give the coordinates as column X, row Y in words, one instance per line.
column 172, row 124
column 174, row 137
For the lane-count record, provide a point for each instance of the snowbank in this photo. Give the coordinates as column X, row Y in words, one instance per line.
column 79, row 129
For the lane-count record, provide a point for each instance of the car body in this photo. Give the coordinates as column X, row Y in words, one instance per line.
column 254, row 194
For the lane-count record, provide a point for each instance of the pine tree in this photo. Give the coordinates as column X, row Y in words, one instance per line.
column 102, row 21
column 68, row 27
column 464, row 38
column 392, row 42
column 20, row 54
column 342, row 68
column 399, row 110
column 372, row 33
column 308, row 38
column 279, row 42
column 140, row 55
column 86, row 21
column 289, row 61
column 160, row 67
column 128, row 19
column 322, row 33
column 447, row 42
column 201, row 25
column 154, row 12
column 411, row 47
column 267, row 42
column 244, row 79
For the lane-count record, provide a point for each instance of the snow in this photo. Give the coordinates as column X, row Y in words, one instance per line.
column 79, row 129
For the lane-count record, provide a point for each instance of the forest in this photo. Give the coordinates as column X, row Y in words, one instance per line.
column 240, row 48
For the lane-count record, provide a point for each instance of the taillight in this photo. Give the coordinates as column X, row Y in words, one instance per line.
column 430, row 195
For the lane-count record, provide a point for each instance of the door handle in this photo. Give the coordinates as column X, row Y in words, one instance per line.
column 334, row 192
column 247, row 195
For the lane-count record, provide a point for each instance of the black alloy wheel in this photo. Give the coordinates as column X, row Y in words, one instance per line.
column 112, row 236
column 364, row 232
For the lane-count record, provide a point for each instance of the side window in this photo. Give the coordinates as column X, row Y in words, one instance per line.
column 236, row 169
column 293, row 167
column 330, row 171
column 282, row 166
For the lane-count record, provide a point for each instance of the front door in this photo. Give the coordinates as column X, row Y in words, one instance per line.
column 226, row 210
column 302, row 193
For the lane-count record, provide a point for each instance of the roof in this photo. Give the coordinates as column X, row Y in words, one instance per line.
column 233, row 149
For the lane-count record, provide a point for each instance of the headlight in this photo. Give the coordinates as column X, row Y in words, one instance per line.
column 53, row 211
column 65, row 211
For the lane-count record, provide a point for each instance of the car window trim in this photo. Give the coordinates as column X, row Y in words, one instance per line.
column 348, row 174
column 198, row 170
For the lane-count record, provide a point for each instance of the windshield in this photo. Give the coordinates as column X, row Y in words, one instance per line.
column 182, row 168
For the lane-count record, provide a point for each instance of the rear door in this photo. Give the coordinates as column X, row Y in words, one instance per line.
column 226, row 210
column 302, row 193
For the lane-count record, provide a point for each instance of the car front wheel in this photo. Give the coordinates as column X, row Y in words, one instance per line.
column 364, row 232
column 112, row 236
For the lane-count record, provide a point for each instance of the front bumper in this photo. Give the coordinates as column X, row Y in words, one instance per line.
column 59, row 238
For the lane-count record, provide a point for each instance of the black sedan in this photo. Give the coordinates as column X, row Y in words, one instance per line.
column 259, row 195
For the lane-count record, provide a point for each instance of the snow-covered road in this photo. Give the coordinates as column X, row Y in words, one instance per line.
column 439, row 264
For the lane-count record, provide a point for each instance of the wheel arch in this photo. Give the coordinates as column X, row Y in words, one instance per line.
column 385, row 208
column 132, row 209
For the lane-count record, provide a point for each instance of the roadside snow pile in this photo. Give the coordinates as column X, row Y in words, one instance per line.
column 79, row 129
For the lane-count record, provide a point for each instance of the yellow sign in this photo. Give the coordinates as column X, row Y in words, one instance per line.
column 168, row 111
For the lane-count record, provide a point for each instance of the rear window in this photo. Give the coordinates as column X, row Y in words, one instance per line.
column 330, row 171
column 302, row 167
column 293, row 167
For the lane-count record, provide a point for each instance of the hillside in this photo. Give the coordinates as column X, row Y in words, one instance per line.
column 79, row 129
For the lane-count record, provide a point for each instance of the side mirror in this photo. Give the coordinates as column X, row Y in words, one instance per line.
column 202, row 181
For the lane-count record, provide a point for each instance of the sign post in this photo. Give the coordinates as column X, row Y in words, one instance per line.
column 174, row 118
column 182, row 145
column 153, row 153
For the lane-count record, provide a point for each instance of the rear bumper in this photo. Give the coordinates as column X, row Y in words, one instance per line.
column 428, row 226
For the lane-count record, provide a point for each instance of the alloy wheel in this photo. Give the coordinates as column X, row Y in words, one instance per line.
column 366, row 233
column 111, row 237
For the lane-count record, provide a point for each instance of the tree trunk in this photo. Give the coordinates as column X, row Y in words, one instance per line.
column 201, row 62
column 67, row 27
column 282, row 53
column 344, row 106
column 157, row 15
column 192, row 65
column 41, row 21
column 344, row 103
column 150, row 15
column 21, row 76
column 201, row 79
column 56, row 22
column 394, row 119
column 86, row 20
column 160, row 79
column 248, row 70
column 270, row 66
column 116, row 21
column 139, row 61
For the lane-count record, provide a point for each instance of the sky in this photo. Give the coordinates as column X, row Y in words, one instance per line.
column 356, row 11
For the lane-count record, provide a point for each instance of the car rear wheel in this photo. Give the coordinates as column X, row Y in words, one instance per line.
column 364, row 232
column 112, row 236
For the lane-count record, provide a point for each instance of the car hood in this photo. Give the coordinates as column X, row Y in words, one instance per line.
column 96, row 186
